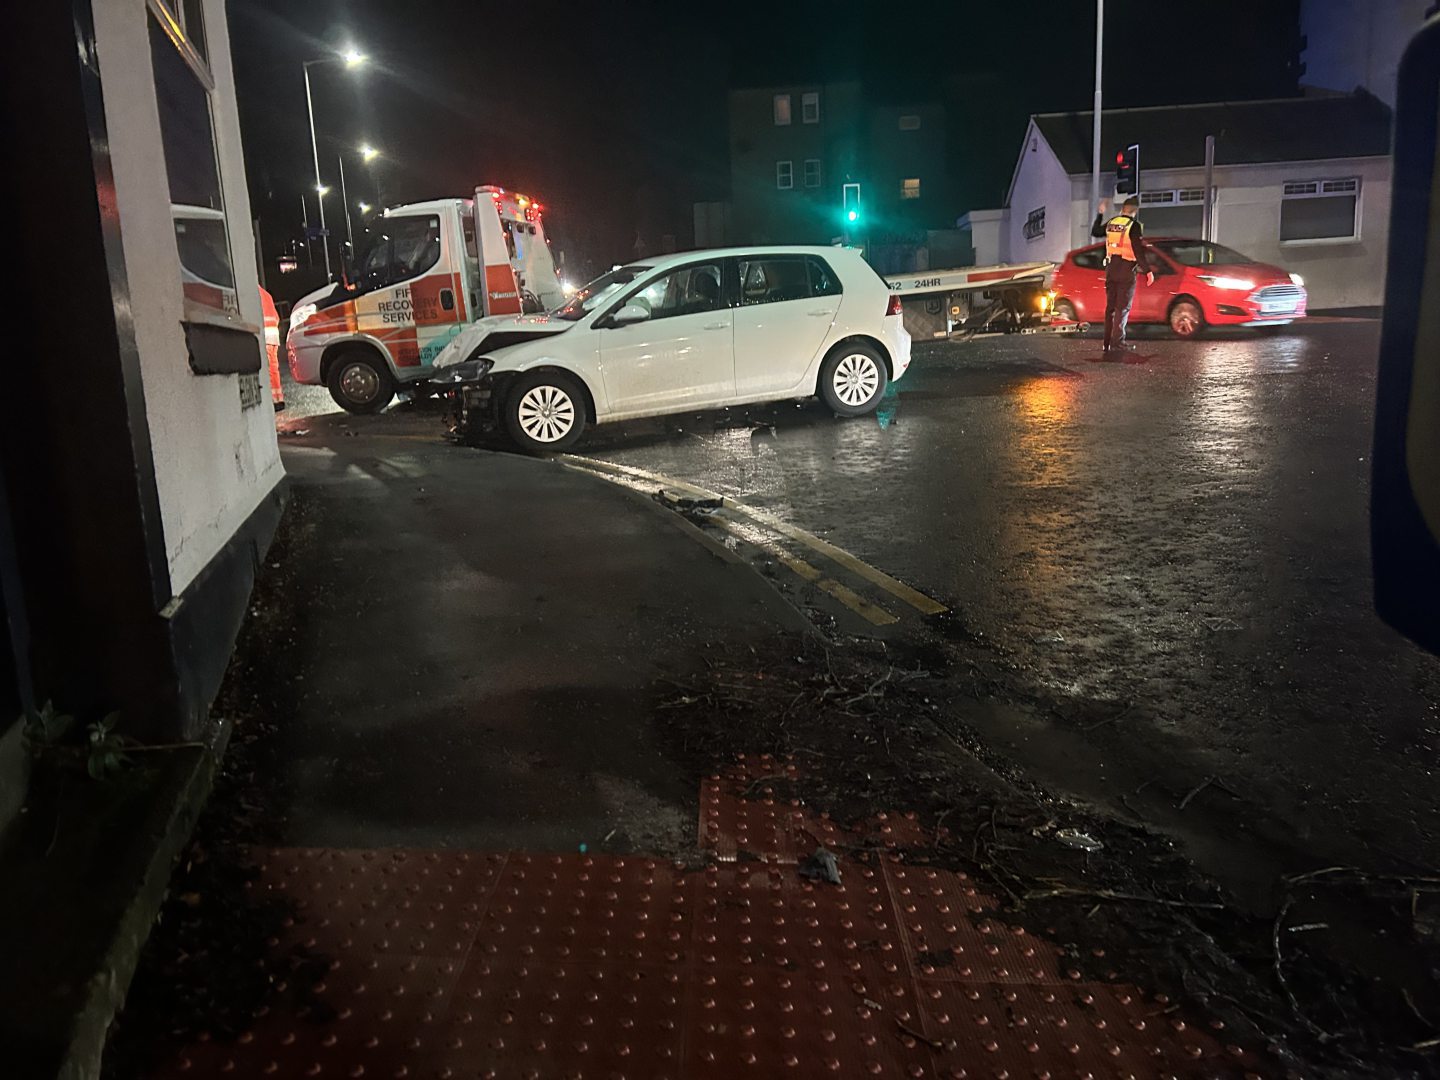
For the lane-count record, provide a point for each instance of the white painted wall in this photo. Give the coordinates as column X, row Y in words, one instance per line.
column 1352, row 43
column 214, row 462
column 1341, row 273
column 1039, row 180
column 986, row 230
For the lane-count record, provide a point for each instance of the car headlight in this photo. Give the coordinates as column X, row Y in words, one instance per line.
column 1296, row 279
column 467, row 371
column 300, row 314
column 1227, row 282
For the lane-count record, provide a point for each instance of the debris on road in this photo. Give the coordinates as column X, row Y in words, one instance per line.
column 821, row 866
column 1079, row 840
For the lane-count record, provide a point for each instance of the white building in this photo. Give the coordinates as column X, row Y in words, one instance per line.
column 1303, row 183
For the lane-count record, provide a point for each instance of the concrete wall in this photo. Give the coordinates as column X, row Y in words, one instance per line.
column 986, row 230
column 214, row 461
column 1352, row 43
column 1040, row 181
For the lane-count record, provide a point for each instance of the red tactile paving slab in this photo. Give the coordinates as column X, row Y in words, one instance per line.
column 457, row 964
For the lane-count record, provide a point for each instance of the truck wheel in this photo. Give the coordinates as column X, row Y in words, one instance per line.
column 360, row 382
column 544, row 411
column 1186, row 319
column 852, row 380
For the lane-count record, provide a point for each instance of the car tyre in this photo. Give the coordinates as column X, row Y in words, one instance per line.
column 1186, row 318
column 853, row 379
column 1064, row 309
column 545, row 411
column 360, row 382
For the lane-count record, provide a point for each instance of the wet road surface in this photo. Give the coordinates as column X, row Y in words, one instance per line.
column 1167, row 557
column 1161, row 566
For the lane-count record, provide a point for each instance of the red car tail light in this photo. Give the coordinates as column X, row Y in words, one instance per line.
column 894, row 308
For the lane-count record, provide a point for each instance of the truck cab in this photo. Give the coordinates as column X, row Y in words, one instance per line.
column 424, row 271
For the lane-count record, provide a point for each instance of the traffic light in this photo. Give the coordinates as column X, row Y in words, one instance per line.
column 850, row 205
column 1127, row 170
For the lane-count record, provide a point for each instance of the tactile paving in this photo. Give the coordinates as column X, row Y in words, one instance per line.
column 463, row 964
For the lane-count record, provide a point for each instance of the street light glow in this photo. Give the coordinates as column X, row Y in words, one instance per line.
column 364, row 207
column 353, row 57
column 323, row 189
column 368, row 152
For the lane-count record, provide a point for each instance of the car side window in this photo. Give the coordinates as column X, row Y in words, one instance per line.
column 823, row 281
column 774, row 279
column 1092, row 259
column 691, row 290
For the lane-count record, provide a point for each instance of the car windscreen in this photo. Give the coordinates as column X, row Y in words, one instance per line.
column 585, row 300
column 1200, row 253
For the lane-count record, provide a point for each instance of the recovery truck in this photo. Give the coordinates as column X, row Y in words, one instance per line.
column 976, row 300
column 427, row 270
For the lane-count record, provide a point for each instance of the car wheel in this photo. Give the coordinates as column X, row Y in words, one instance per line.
column 1064, row 309
column 1186, row 319
column 545, row 411
column 852, row 379
column 360, row 382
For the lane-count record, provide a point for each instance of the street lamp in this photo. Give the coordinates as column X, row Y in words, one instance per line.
column 367, row 154
column 364, row 207
column 351, row 58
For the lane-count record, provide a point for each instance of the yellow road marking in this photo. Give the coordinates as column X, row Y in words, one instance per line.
column 872, row 613
column 916, row 599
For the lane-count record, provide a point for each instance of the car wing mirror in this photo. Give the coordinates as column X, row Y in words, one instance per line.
column 1405, row 482
column 630, row 313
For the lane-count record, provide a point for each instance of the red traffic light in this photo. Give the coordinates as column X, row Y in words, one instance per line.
column 1120, row 158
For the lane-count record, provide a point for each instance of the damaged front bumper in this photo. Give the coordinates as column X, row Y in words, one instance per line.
column 471, row 398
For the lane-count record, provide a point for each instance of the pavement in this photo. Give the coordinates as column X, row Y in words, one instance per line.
column 1134, row 600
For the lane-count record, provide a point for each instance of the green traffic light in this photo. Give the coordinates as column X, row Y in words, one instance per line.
column 854, row 215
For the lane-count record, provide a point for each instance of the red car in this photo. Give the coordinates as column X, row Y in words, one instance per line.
column 1197, row 284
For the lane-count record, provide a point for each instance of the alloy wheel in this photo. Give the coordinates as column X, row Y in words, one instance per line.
column 546, row 413
column 856, row 379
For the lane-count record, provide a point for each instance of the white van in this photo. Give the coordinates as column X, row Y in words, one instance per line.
column 427, row 270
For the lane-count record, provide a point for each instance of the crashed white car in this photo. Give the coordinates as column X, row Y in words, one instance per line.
column 699, row 330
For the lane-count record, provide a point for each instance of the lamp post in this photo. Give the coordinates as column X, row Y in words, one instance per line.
column 350, row 58
column 1095, row 138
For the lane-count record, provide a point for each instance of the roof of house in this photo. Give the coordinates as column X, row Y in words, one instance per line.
column 1246, row 132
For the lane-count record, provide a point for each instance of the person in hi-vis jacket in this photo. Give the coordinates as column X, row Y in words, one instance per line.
column 1124, row 258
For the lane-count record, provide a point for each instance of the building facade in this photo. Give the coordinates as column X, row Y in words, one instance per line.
column 1303, row 183
column 794, row 148
column 140, row 477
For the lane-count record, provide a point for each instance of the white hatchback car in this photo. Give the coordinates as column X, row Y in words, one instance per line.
column 699, row 330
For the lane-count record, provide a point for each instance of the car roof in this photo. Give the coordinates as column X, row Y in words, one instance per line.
column 679, row 258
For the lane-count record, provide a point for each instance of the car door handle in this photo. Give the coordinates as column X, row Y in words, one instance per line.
column 820, row 314
column 717, row 326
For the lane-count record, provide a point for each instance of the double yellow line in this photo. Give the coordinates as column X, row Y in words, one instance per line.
column 872, row 613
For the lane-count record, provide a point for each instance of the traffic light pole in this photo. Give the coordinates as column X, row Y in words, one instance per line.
column 1099, row 66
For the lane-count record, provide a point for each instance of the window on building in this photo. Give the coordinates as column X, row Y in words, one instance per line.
column 1320, row 210
column 910, row 189
column 1173, row 211
column 183, row 84
column 784, row 175
column 909, row 122
column 810, row 107
column 1035, row 224
column 782, row 110
column 812, row 172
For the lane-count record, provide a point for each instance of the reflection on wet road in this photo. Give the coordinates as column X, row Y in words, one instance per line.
column 1184, row 534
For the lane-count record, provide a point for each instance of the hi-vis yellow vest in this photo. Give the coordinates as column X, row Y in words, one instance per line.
column 1117, row 238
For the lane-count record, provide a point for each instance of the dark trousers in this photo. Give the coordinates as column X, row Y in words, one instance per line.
column 1119, row 296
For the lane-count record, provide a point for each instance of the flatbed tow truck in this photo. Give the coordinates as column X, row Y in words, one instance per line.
column 979, row 300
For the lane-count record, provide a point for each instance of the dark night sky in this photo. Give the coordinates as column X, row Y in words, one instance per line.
column 615, row 115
